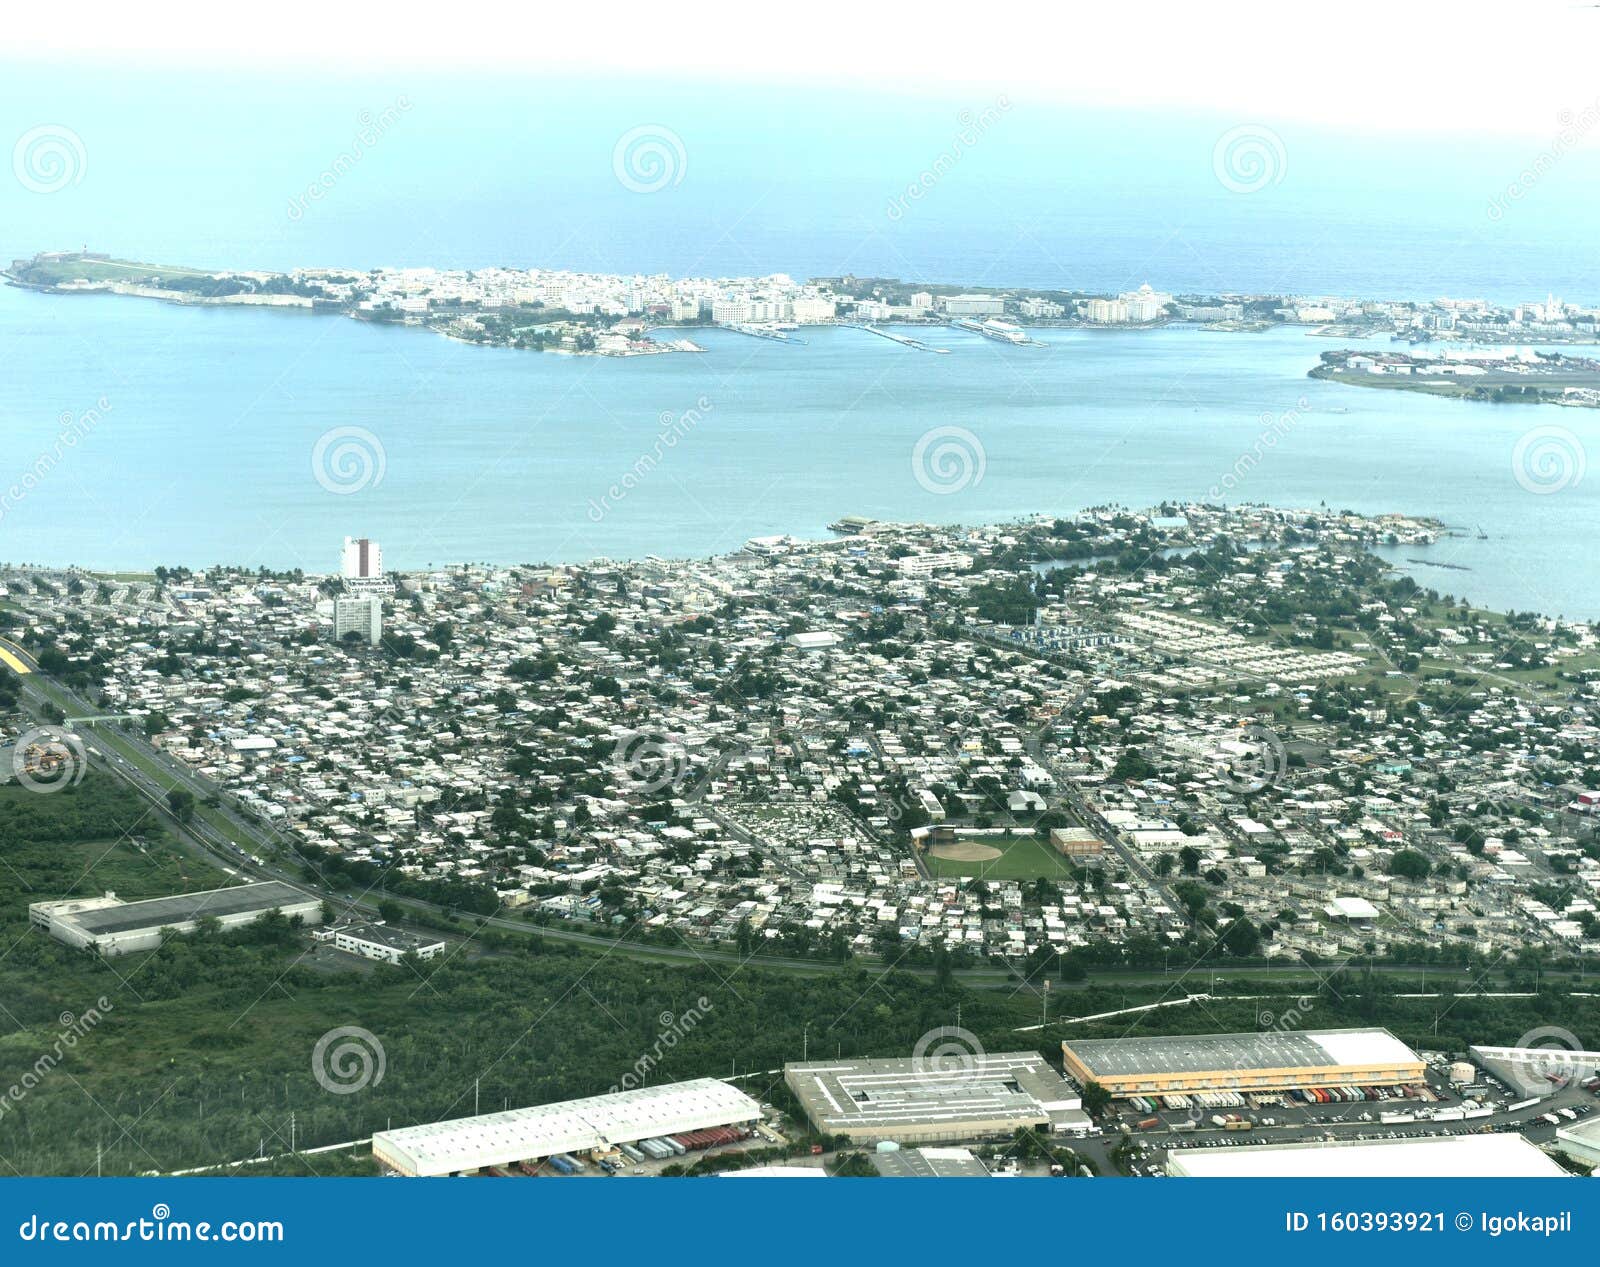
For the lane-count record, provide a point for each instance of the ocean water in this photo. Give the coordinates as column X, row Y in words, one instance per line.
column 205, row 448
column 203, row 444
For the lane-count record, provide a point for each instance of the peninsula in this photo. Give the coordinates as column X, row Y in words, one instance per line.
column 560, row 310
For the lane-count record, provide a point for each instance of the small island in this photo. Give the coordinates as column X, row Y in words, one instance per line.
column 1522, row 377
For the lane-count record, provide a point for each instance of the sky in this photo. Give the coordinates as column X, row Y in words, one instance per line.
column 1394, row 150
column 1461, row 68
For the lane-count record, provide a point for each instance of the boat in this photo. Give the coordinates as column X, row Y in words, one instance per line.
column 998, row 329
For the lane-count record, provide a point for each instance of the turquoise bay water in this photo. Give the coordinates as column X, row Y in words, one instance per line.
column 204, row 450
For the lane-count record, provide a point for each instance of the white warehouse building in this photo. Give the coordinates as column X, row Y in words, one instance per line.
column 114, row 927
column 471, row 1144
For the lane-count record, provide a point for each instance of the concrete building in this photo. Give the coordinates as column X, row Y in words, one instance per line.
column 1500, row 1156
column 361, row 560
column 1243, row 1062
column 973, row 305
column 1581, row 1141
column 601, row 1122
column 928, row 1163
column 114, row 927
column 1534, row 1070
column 379, row 942
column 983, row 1095
column 362, row 616
column 1077, row 842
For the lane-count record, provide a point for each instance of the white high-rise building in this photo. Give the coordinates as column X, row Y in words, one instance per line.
column 362, row 616
column 362, row 560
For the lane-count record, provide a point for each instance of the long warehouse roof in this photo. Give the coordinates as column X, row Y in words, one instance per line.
column 160, row 912
column 1203, row 1053
column 897, row 1094
column 470, row 1143
column 1452, row 1157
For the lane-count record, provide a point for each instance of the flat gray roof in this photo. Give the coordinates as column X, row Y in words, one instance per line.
column 885, row 1095
column 929, row 1163
column 162, row 912
column 1273, row 1049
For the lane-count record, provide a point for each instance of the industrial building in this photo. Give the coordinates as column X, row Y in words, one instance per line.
column 1077, row 842
column 928, row 1163
column 380, row 942
column 1535, row 1071
column 1498, row 1156
column 980, row 1096
column 1270, row 1061
column 471, row 1144
column 114, row 927
column 1581, row 1141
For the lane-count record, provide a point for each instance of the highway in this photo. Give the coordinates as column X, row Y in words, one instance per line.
column 220, row 834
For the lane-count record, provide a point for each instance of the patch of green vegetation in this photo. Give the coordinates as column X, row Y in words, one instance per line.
column 1021, row 858
column 53, row 272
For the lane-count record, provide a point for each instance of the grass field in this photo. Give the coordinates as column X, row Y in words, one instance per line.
column 1021, row 858
column 49, row 272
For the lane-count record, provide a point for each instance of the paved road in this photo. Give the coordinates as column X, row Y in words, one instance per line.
column 237, row 841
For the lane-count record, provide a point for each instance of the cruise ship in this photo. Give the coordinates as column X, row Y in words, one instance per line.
column 999, row 330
